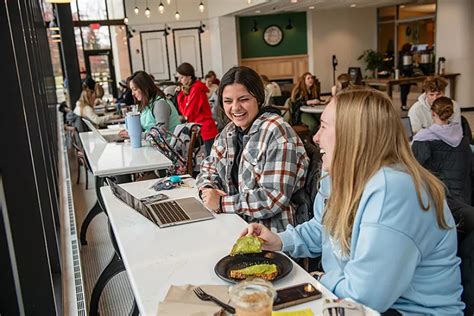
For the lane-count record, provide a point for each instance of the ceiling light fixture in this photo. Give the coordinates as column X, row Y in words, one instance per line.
column 161, row 7
column 294, row 1
column 168, row 2
column 177, row 15
column 136, row 10
column 258, row 11
column 201, row 7
column 125, row 20
column 249, row 1
column 311, row 7
column 353, row 5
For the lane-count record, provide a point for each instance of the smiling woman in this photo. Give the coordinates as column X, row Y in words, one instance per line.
column 257, row 162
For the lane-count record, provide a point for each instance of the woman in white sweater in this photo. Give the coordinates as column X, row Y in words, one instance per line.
column 85, row 104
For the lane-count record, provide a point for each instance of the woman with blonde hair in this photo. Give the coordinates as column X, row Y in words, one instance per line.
column 85, row 105
column 305, row 92
column 380, row 220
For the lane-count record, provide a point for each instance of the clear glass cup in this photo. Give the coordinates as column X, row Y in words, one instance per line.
column 253, row 297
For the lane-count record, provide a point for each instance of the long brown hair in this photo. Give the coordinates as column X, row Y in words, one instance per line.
column 370, row 135
column 145, row 83
column 301, row 91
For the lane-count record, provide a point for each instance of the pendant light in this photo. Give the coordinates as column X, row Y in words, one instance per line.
column 177, row 15
column 161, row 7
column 136, row 10
column 147, row 10
column 201, row 7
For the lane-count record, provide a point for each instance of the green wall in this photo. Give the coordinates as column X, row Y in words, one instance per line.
column 294, row 41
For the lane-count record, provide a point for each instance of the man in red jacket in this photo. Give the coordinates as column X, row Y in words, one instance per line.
column 194, row 105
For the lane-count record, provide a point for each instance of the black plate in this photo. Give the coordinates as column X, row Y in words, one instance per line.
column 228, row 263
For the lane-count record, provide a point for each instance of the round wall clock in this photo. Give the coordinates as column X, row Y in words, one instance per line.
column 273, row 35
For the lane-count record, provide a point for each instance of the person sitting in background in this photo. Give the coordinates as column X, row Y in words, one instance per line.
column 154, row 108
column 213, row 77
column 406, row 72
column 443, row 150
column 257, row 162
column 210, row 85
column 343, row 81
column 85, row 105
column 194, row 105
column 380, row 220
column 420, row 112
column 99, row 94
column 305, row 92
column 272, row 89
column 125, row 95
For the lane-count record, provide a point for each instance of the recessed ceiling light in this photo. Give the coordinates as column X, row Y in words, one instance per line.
column 402, row 6
column 311, row 7
column 353, row 5
column 294, row 1
column 258, row 11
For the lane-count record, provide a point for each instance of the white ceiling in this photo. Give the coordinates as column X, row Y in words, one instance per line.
column 282, row 6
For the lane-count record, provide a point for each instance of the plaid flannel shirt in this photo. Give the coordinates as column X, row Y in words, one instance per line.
column 273, row 166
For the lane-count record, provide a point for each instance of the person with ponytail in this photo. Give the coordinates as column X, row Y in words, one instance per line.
column 381, row 222
column 85, row 105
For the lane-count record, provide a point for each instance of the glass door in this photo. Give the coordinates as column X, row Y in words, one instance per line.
column 100, row 66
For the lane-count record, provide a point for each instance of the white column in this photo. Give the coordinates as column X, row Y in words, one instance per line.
column 454, row 41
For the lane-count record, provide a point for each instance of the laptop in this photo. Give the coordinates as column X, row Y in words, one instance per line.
column 164, row 213
column 112, row 138
column 407, row 125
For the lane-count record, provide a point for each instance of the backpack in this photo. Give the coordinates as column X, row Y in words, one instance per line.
column 176, row 146
column 303, row 199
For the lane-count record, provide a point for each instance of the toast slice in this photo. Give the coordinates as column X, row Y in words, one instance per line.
column 247, row 244
column 264, row 271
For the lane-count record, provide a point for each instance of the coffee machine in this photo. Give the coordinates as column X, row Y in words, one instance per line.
column 426, row 63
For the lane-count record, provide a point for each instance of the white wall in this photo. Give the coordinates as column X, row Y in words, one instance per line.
column 345, row 33
column 455, row 42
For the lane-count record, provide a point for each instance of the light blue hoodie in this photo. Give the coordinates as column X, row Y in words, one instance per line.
column 399, row 257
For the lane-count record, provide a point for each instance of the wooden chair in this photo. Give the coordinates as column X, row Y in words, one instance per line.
column 195, row 132
column 301, row 130
column 80, row 157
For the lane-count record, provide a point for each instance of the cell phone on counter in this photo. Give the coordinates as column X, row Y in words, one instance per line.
column 295, row 295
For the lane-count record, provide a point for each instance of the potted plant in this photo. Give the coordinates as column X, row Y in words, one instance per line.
column 372, row 60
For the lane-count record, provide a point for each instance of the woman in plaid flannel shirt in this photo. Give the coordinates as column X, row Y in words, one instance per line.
column 257, row 162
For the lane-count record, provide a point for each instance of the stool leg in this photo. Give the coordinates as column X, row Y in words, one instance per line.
column 114, row 267
column 96, row 210
column 134, row 311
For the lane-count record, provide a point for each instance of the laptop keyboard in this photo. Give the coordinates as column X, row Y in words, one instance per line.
column 169, row 212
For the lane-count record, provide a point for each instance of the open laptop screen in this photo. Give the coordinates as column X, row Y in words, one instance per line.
column 407, row 125
column 127, row 198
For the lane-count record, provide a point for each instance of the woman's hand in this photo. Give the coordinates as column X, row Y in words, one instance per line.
column 211, row 198
column 272, row 240
column 313, row 102
column 123, row 133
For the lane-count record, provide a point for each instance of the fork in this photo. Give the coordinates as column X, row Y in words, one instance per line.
column 206, row 297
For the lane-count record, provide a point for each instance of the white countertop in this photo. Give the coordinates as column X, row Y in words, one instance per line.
column 156, row 258
column 315, row 109
column 109, row 159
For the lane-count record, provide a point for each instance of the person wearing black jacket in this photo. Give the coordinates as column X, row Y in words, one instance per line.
column 444, row 151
